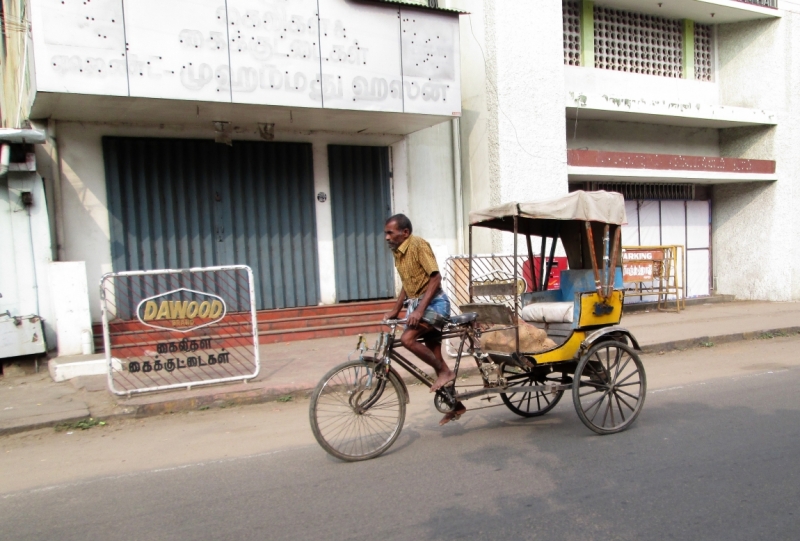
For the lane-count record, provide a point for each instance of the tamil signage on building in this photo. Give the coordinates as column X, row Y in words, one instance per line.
column 179, row 328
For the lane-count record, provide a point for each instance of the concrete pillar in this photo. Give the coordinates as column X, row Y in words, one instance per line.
column 322, row 185
column 755, row 226
column 528, row 154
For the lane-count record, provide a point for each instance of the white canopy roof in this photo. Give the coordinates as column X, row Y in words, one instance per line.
column 606, row 207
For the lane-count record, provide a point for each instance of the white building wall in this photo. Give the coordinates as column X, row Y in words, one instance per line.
column 513, row 121
column 476, row 135
column 431, row 199
column 755, row 227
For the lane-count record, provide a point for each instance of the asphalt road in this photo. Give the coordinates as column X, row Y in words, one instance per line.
column 712, row 456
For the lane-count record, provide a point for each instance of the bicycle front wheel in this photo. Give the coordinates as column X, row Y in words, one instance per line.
column 356, row 415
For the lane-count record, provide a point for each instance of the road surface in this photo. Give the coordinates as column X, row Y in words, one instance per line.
column 714, row 455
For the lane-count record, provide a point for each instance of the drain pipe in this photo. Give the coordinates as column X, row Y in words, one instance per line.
column 458, row 188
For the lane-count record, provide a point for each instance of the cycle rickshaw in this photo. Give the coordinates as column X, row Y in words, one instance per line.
column 358, row 408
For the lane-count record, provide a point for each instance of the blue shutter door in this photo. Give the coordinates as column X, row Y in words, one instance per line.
column 179, row 203
column 361, row 202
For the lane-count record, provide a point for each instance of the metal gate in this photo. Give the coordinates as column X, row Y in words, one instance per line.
column 177, row 203
column 361, row 199
column 179, row 328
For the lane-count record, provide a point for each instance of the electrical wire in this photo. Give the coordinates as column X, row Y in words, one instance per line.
column 14, row 24
column 497, row 93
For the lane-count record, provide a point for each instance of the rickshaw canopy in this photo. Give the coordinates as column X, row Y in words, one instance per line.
column 561, row 218
column 600, row 206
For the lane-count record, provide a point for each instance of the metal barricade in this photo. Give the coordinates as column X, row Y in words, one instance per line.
column 169, row 329
column 486, row 270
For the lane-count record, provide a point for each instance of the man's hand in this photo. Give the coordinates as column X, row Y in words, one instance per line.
column 391, row 315
column 414, row 318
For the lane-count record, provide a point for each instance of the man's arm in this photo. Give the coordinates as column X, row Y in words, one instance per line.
column 401, row 298
column 430, row 292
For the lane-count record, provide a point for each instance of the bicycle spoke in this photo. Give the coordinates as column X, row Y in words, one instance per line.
column 619, row 406
column 628, row 394
column 599, row 403
column 619, row 398
column 626, row 378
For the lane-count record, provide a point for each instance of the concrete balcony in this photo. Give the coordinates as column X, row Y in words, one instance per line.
column 671, row 112
column 702, row 11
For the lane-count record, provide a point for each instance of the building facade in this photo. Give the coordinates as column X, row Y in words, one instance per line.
column 281, row 133
column 278, row 134
column 684, row 106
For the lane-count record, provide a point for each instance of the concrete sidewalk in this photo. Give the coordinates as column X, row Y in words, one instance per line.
column 294, row 368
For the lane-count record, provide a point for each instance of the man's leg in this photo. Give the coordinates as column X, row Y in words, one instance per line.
column 433, row 358
column 434, row 343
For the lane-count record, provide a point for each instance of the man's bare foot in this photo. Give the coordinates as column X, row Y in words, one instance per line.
column 443, row 379
column 454, row 415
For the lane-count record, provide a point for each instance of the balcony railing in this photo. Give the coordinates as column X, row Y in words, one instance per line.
column 766, row 3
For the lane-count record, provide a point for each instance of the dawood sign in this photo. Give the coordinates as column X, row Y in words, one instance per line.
column 169, row 329
column 181, row 310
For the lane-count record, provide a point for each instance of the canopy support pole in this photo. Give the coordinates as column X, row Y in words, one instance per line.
column 541, row 263
column 531, row 262
column 516, row 294
column 614, row 255
column 590, row 238
column 550, row 261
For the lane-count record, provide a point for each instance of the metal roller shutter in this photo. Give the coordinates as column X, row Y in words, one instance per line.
column 178, row 203
column 361, row 201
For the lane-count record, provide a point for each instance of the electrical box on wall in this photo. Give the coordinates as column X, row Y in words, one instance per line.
column 21, row 336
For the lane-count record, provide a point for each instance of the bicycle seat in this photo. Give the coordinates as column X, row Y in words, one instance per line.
column 469, row 317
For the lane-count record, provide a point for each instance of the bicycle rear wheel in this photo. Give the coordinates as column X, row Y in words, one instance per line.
column 354, row 414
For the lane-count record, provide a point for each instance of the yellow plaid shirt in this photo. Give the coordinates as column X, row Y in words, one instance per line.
column 415, row 263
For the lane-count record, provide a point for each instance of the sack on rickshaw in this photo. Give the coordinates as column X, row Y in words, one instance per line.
column 531, row 339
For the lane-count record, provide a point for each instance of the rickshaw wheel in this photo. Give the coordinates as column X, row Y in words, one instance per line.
column 531, row 404
column 354, row 415
column 609, row 387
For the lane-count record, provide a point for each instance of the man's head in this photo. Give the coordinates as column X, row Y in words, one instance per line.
column 397, row 230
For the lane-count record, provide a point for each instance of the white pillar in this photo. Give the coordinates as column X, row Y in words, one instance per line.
column 322, row 185
column 528, row 153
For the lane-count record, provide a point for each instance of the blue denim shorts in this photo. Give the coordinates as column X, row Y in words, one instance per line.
column 439, row 304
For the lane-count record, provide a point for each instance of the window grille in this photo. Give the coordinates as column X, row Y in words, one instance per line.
column 641, row 192
column 702, row 52
column 572, row 32
column 637, row 43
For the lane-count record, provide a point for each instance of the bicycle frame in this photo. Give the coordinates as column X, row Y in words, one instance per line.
column 386, row 352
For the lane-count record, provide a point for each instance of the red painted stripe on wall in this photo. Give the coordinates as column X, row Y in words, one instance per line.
column 667, row 162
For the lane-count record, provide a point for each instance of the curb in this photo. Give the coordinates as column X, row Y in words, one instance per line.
column 638, row 307
column 704, row 341
column 36, row 426
column 262, row 395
